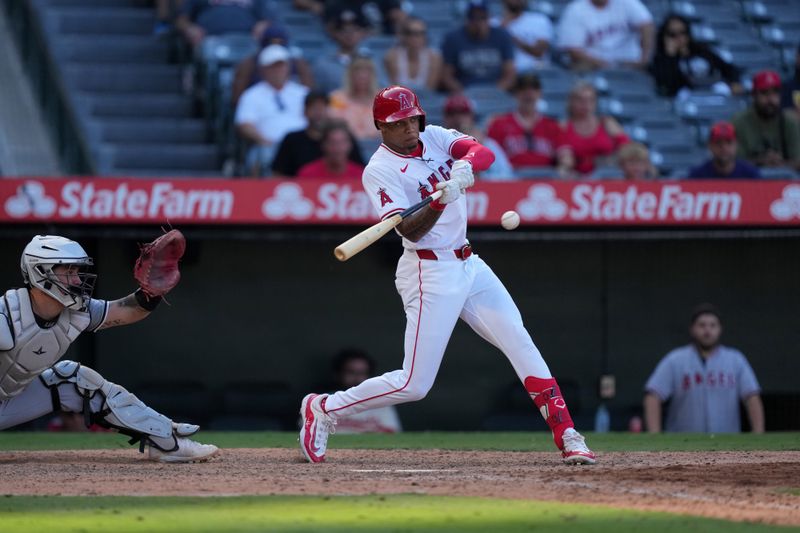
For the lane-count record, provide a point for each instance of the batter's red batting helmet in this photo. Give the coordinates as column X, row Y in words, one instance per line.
column 396, row 103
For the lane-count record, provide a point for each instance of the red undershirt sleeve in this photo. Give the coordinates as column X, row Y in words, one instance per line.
column 474, row 152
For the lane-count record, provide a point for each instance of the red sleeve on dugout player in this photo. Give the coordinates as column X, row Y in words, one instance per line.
column 474, row 152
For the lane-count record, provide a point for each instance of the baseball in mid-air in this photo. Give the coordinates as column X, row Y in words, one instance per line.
column 510, row 220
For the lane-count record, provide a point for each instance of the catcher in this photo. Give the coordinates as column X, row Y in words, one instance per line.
column 40, row 321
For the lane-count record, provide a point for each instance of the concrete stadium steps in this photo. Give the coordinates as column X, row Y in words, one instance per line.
column 100, row 20
column 127, row 49
column 156, row 105
column 121, row 78
column 187, row 158
column 129, row 100
column 150, row 130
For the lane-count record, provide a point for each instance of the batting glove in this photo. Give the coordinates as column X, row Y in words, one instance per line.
column 451, row 190
column 462, row 174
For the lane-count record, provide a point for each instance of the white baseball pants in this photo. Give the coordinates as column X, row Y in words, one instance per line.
column 435, row 295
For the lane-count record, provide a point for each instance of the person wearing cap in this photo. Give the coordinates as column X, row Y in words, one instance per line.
column 247, row 72
column 606, row 33
column 767, row 135
column 199, row 18
column 704, row 381
column 459, row 115
column 270, row 109
column 723, row 162
column 348, row 32
column 529, row 138
column 477, row 53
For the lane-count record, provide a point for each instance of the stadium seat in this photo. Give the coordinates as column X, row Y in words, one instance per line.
column 607, row 173
column 779, row 173
column 536, row 173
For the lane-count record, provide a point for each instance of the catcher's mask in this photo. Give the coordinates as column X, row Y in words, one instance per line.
column 73, row 284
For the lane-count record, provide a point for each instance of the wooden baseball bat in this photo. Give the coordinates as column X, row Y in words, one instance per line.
column 355, row 244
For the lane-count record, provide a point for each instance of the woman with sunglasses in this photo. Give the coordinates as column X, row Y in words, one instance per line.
column 682, row 64
column 411, row 62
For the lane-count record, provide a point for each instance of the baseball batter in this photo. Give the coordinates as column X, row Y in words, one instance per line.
column 39, row 321
column 439, row 278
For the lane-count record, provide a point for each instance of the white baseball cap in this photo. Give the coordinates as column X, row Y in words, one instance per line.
column 272, row 54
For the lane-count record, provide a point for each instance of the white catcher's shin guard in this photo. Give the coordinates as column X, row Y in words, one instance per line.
column 120, row 409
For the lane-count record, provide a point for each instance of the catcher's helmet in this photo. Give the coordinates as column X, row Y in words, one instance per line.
column 47, row 251
column 397, row 103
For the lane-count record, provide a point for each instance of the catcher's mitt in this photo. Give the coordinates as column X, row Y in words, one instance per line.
column 156, row 268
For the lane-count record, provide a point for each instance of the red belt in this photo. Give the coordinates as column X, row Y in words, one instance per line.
column 462, row 253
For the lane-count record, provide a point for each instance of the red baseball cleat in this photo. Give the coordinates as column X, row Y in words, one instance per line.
column 575, row 451
column 317, row 425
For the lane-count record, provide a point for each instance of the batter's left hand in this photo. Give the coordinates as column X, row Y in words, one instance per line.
column 462, row 174
column 451, row 190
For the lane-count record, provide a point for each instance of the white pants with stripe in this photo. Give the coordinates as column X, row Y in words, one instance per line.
column 435, row 295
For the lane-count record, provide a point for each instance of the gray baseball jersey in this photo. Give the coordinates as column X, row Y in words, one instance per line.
column 705, row 394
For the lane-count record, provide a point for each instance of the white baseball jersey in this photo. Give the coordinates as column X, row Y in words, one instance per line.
column 395, row 182
column 435, row 293
column 609, row 33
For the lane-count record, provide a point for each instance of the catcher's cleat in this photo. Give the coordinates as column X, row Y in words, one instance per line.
column 316, row 427
column 575, row 451
column 188, row 451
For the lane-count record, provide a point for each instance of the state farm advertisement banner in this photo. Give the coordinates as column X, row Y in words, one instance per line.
column 539, row 203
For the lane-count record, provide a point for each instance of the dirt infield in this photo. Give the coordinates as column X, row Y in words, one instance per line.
column 731, row 485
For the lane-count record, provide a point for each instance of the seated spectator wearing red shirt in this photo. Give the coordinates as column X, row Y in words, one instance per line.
column 335, row 161
column 590, row 136
column 723, row 163
column 529, row 138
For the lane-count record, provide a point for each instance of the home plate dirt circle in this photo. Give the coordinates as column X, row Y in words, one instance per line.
column 748, row 486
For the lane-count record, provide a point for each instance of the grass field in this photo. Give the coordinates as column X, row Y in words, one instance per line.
column 378, row 512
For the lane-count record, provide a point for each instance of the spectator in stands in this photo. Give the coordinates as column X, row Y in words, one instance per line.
column 351, row 367
column 335, row 162
column 723, row 162
column 704, row 382
column 768, row 136
column 165, row 15
column 199, row 18
column 411, row 62
column 270, row 109
column 634, row 160
column 476, row 53
column 353, row 102
column 682, row 64
column 459, row 114
column 592, row 139
column 606, row 33
column 304, row 146
column 530, row 32
column 247, row 72
column 790, row 99
column 385, row 16
column 348, row 32
column 529, row 138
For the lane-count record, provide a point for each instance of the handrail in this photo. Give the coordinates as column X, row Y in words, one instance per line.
column 49, row 88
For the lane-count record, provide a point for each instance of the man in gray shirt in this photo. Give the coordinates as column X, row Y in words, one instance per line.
column 704, row 381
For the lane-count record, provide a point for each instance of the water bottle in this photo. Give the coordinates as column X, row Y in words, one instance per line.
column 602, row 420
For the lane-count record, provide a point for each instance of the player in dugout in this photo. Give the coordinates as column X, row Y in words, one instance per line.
column 439, row 278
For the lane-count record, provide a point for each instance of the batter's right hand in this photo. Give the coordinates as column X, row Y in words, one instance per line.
column 450, row 191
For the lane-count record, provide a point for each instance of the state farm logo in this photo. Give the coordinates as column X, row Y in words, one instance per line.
column 84, row 200
column 542, row 202
column 670, row 203
column 787, row 206
column 288, row 202
column 30, row 200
